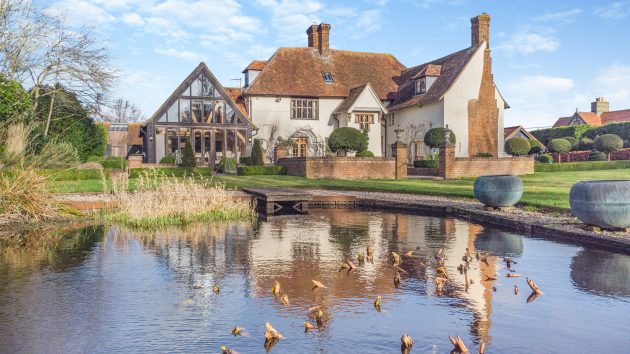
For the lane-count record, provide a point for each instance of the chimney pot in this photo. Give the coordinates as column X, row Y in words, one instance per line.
column 480, row 29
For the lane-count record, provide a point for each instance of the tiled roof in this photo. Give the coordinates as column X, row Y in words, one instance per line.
column 561, row 122
column 345, row 105
column 590, row 118
column 429, row 70
column 235, row 94
column 450, row 67
column 256, row 65
column 616, row 116
column 507, row 131
column 298, row 72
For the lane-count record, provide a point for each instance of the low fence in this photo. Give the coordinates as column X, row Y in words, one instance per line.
column 579, row 156
column 340, row 167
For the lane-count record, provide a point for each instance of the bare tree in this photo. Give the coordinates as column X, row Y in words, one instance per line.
column 120, row 111
column 38, row 50
column 269, row 135
column 413, row 134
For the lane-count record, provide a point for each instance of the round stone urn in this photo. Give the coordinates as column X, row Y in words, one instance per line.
column 498, row 191
column 602, row 203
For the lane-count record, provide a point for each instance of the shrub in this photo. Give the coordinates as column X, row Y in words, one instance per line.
column 426, row 164
column 586, row 143
column 560, row 146
column 227, row 165
column 582, row 166
column 257, row 154
column 435, row 137
column 596, row 155
column 536, row 147
column 261, row 170
column 344, row 140
column 575, row 144
column 546, row 135
column 168, row 160
column 608, row 143
column 484, row 154
column 14, row 101
column 95, row 158
column 544, row 158
column 365, row 153
column 115, row 162
column 55, row 155
column 517, row 146
column 188, row 156
column 620, row 129
column 245, row 160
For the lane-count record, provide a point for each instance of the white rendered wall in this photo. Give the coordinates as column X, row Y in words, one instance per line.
column 500, row 133
column 367, row 103
column 430, row 115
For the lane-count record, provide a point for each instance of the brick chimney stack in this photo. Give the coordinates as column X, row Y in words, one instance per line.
column 324, row 38
column 313, row 36
column 600, row 106
column 480, row 29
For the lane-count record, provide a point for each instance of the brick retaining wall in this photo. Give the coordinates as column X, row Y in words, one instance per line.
column 451, row 167
column 341, row 167
column 579, row 156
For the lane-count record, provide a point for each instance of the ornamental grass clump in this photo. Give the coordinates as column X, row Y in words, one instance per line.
column 160, row 201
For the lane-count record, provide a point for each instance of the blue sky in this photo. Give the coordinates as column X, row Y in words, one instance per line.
column 549, row 57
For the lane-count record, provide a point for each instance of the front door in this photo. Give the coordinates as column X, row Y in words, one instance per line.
column 300, row 147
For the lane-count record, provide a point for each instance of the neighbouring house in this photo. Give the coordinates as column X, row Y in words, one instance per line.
column 123, row 139
column 599, row 115
column 518, row 132
column 305, row 93
column 212, row 118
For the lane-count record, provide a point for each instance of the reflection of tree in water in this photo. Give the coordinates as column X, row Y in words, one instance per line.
column 601, row 273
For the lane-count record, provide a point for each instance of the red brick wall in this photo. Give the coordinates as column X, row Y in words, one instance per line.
column 341, row 167
column 451, row 167
column 483, row 114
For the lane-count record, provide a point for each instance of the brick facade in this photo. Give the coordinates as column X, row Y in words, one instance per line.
column 451, row 167
column 483, row 114
column 400, row 153
column 341, row 167
column 480, row 29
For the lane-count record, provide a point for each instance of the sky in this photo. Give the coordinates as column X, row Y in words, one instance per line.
column 549, row 57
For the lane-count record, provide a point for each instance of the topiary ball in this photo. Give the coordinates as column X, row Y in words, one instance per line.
column 435, row 137
column 575, row 144
column 559, row 145
column 608, row 143
column 365, row 153
column 596, row 155
column 517, row 146
column 346, row 139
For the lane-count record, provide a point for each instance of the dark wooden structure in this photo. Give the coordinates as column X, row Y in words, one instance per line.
column 277, row 201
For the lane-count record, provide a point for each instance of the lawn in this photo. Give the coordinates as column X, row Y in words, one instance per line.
column 543, row 189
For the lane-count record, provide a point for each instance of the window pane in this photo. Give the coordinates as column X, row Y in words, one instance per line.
column 172, row 113
column 197, row 111
column 184, row 110
column 162, row 118
column 229, row 114
column 219, row 112
column 207, row 89
column 196, row 87
column 207, row 111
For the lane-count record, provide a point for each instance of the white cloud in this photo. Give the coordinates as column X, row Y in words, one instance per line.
column 616, row 11
column 527, row 42
column 132, row 19
column 290, row 18
column 541, row 85
column 612, row 83
column 80, row 13
column 560, row 17
column 182, row 54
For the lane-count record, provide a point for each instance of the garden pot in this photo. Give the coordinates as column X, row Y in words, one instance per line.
column 498, row 191
column 602, row 203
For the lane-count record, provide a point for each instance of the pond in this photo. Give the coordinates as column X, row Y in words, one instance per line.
column 106, row 289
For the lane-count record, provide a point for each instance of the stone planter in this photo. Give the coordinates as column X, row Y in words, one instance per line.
column 498, row 191
column 605, row 204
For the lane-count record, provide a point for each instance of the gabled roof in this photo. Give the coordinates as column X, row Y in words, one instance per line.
column 509, row 132
column 201, row 68
column 298, row 72
column 589, row 118
column 562, row 121
column 450, row 68
column 429, row 70
column 347, row 105
column 235, row 94
column 616, row 116
column 258, row 65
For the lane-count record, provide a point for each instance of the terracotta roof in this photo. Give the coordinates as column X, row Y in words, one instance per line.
column 429, row 70
column 345, row 105
column 561, row 122
column 450, row 67
column 256, row 65
column 590, row 118
column 507, row 131
column 298, row 72
column 616, row 116
column 235, row 94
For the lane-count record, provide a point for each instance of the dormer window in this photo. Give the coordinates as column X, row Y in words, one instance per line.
column 421, row 85
column 328, row 78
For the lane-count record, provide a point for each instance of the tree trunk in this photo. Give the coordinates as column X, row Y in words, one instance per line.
column 50, row 110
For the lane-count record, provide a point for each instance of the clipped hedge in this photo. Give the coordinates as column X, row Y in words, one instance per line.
column 171, row 171
column 582, row 166
column 72, row 174
column 365, row 153
column 517, row 146
column 261, row 170
column 426, row 164
column 168, row 160
column 546, row 135
column 620, row 129
column 115, row 162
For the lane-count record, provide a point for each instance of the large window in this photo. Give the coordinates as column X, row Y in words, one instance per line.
column 304, row 108
column 300, row 147
column 421, row 85
column 364, row 120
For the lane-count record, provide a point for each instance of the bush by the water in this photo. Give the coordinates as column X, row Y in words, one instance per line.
column 426, row 163
column 517, row 146
column 346, row 140
column 582, row 166
column 435, row 137
column 575, row 144
column 544, row 158
column 365, row 153
column 115, row 162
column 261, row 170
column 257, row 154
column 596, row 155
column 608, row 143
column 227, row 165
column 535, row 147
column 168, row 160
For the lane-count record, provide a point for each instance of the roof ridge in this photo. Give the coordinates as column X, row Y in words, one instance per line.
column 442, row 58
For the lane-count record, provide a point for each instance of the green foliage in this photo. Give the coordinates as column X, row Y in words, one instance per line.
column 261, row 170
column 346, row 139
column 575, row 144
column 546, row 135
column 620, row 129
column 517, row 146
column 559, row 145
column 608, row 143
column 55, row 155
column 98, row 159
column 14, row 101
column 170, row 171
column 285, row 143
column 435, row 137
column 115, row 162
column 544, row 158
column 484, row 154
column 365, row 153
column 596, row 155
column 426, row 164
column 536, row 147
column 71, row 174
column 168, row 160
column 586, row 143
column 582, row 166
column 257, row 154
column 227, row 165
column 188, row 156
column 245, row 160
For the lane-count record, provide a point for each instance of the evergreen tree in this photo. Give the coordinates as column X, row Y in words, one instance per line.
column 257, row 154
column 188, row 157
